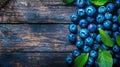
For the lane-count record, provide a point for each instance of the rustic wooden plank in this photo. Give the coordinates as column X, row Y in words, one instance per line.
column 35, row 37
column 36, row 11
column 33, row 59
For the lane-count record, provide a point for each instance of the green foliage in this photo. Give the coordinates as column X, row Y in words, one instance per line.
column 105, row 59
column 106, row 39
column 68, row 1
column 81, row 60
column 99, row 2
column 118, row 40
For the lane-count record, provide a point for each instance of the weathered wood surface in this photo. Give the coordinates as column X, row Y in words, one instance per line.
column 35, row 37
column 36, row 11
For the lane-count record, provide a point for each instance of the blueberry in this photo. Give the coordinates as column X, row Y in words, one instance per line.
column 90, row 10
column 90, row 19
column 90, row 61
column 98, row 39
column 116, row 48
column 117, row 3
column 93, row 53
column 81, row 12
column 102, row 9
column 89, row 41
column 93, row 35
column 80, row 3
column 76, row 53
column 95, row 47
column 69, row 59
column 103, row 46
column 83, row 23
column 92, row 28
column 116, row 34
column 115, row 60
column 110, row 7
column 100, row 18
column 108, row 16
column 100, row 26
column 107, row 24
column 72, row 37
column 114, row 27
column 118, row 11
column 111, row 52
column 86, row 49
column 79, row 44
column 74, row 18
column 115, row 18
column 83, row 33
column 88, row 2
column 73, row 28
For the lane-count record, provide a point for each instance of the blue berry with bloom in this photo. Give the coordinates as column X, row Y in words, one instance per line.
column 102, row 9
column 116, row 48
column 83, row 33
column 107, row 24
column 90, row 10
column 93, row 35
column 93, row 53
column 115, row 18
column 72, row 38
column 100, row 18
column 81, row 12
column 73, row 28
column 80, row 3
column 98, row 39
column 118, row 11
column 116, row 34
column 69, row 59
column 91, row 61
column 76, row 53
column 100, row 26
column 108, row 16
column 74, row 18
column 83, row 23
column 90, row 19
column 110, row 7
column 92, row 28
column 79, row 44
column 117, row 3
column 95, row 46
column 114, row 27
column 89, row 41
column 86, row 49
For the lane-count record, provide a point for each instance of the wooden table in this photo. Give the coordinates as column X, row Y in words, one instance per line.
column 33, row 33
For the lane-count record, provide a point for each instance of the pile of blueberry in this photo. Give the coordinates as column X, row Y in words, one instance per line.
column 84, row 30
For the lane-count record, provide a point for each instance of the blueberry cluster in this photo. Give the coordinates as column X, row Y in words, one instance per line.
column 84, row 30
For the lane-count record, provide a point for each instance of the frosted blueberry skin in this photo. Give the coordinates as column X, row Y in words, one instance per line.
column 93, row 54
column 116, row 48
column 118, row 11
column 91, row 61
column 80, row 3
column 90, row 19
column 72, row 38
column 69, row 59
column 90, row 10
column 76, row 53
column 86, row 49
column 108, row 16
column 93, row 35
column 114, row 27
column 110, row 7
column 100, row 18
column 79, row 44
column 98, row 39
column 100, row 26
column 92, row 28
column 115, row 18
column 73, row 28
column 74, row 18
column 81, row 12
column 95, row 47
column 107, row 24
column 83, row 23
column 89, row 41
column 83, row 33
column 102, row 9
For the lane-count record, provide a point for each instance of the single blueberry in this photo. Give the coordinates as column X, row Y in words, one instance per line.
column 117, row 3
column 100, row 26
column 73, row 28
column 100, row 18
column 74, row 18
column 107, row 24
column 80, row 3
column 110, row 7
column 93, row 35
column 81, row 12
column 89, row 41
column 88, row 2
column 102, row 9
column 69, row 59
column 108, row 16
column 98, row 39
column 93, row 53
column 116, row 34
column 90, row 61
column 92, row 28
column 83, row 23
column 86, row 49
column 116, row 48
column 118, row 11
column 90, row 19
column 95, row 47
column 115, row 18
column 83, row 33
column 90, row 10
column 72, row 38
column 76, row 53
column 79, row 44
column 114, row 27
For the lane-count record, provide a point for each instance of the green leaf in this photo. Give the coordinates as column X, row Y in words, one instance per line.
column 105, row 59
column 106, row 39
column 119, row 17
column 118, row 40
column 81, row 60
column 99, row 2
column 68, row 1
